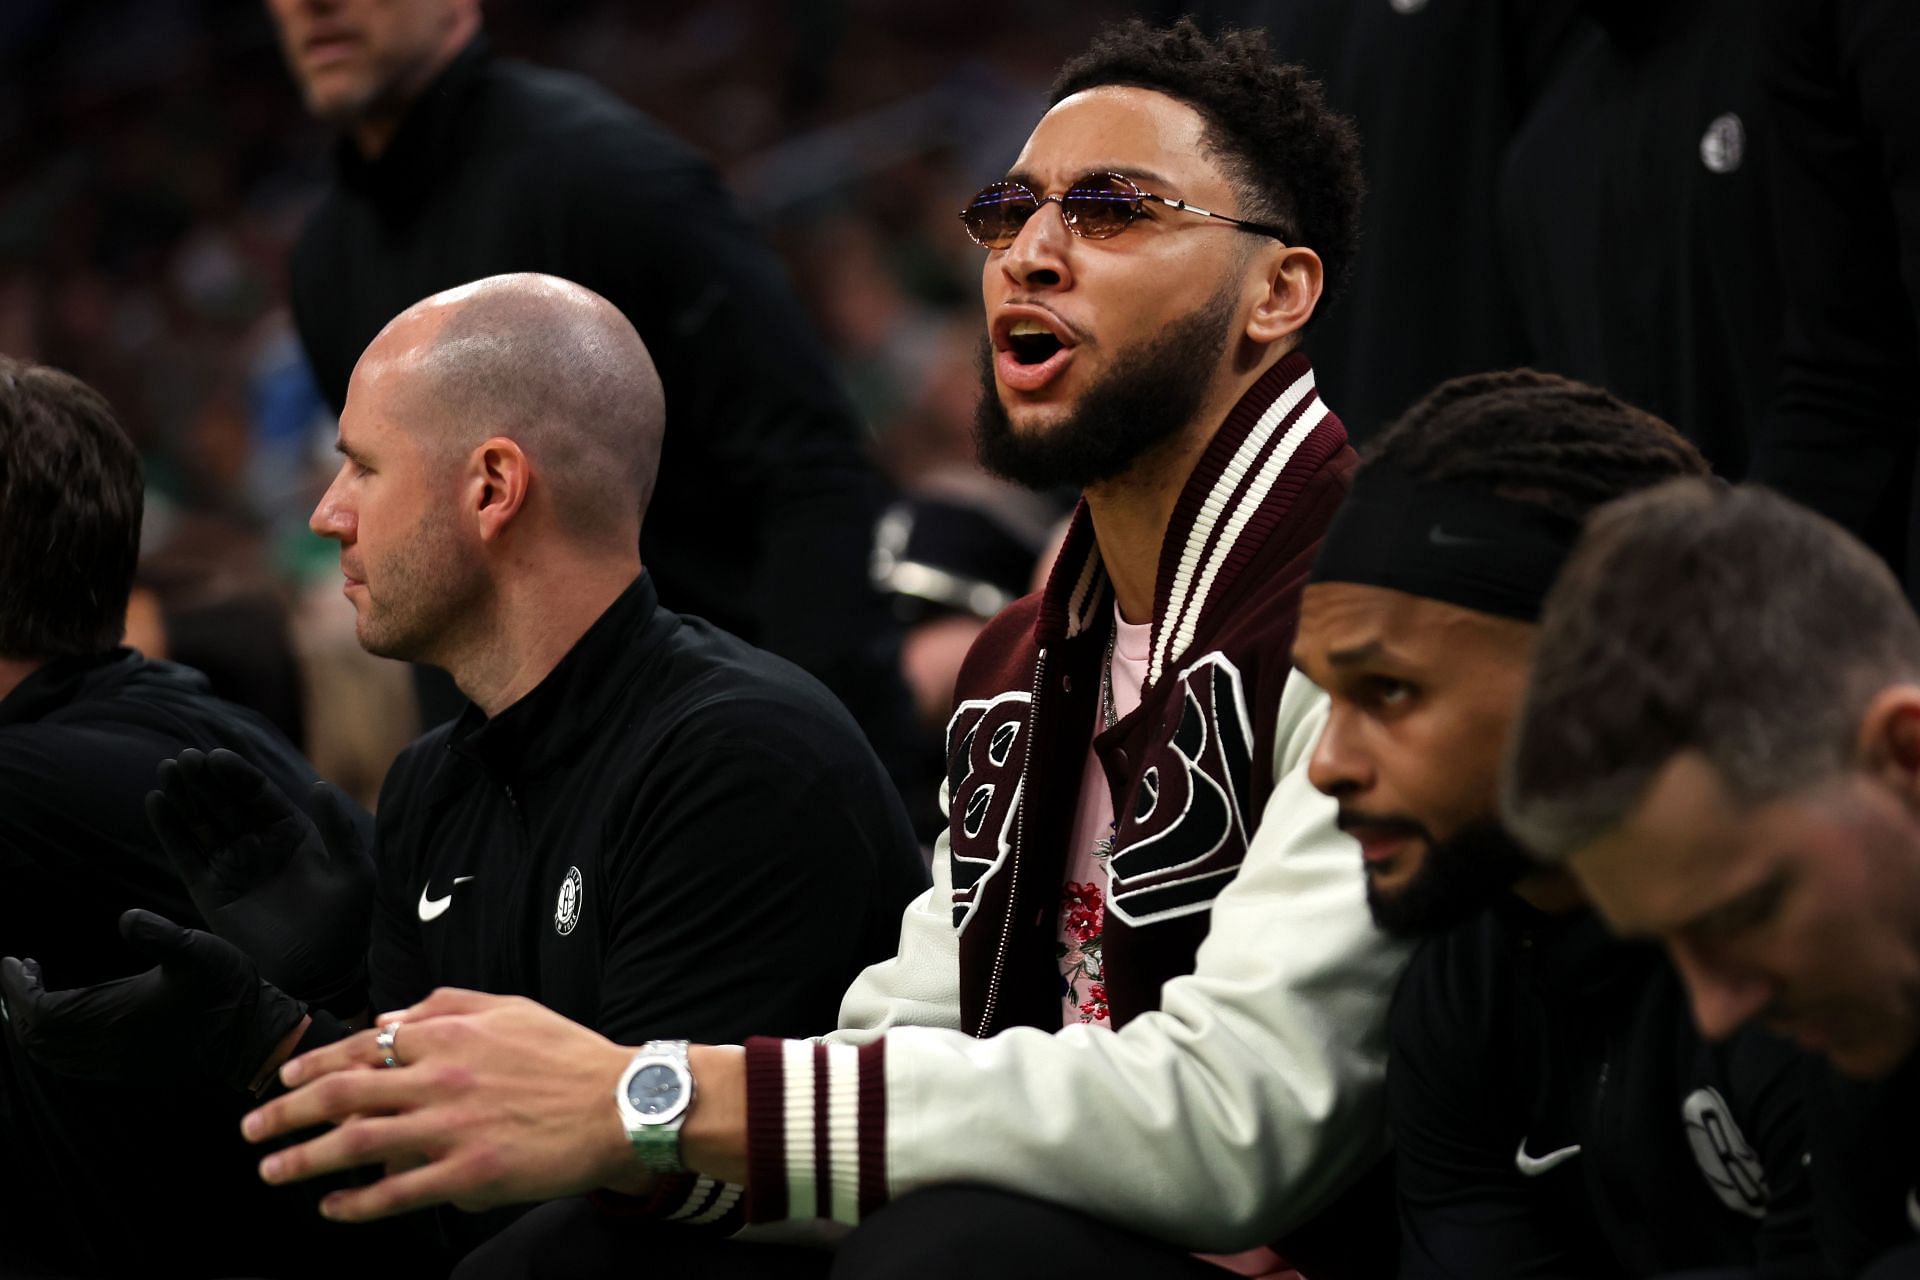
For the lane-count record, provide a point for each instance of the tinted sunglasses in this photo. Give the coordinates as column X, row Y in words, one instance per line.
column 1096, row 207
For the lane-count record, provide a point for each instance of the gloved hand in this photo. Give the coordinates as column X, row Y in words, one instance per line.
column 200, row 1015
column 296, row 896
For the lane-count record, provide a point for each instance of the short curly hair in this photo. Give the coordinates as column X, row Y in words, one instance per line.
column 1293, row 158
column 1535, row 438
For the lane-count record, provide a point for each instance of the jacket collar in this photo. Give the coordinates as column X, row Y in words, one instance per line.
column 63, row 681
column 569, row 704
column 416, row 154
column 1270, row 445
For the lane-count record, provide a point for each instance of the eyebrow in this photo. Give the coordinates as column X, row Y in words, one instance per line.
column 341, row 447
column 1144, row 177
column 1356, row 655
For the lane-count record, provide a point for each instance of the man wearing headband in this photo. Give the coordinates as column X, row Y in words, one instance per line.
column 1721, row 743
column 1142, row 1008
column 1553, row 1112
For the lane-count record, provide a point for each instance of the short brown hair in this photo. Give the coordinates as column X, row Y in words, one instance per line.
column 1726, row 621
column 71, row 496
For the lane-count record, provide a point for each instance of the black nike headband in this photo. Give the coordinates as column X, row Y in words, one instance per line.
column 1445, row 542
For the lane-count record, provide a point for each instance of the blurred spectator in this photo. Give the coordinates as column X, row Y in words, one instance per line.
column 455, row 166
column 1846, row 186
column 1634, row 216
column 84, row 725
column 949, row 556
column 1437, row 90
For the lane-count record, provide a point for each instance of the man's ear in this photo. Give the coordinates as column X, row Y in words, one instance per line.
column 1291, row 279
column 1888, row 746
column 502, row 477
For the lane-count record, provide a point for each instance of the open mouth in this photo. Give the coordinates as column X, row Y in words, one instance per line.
column 1030, row 342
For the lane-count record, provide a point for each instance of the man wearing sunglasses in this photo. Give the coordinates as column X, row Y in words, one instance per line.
column 1141, row 1010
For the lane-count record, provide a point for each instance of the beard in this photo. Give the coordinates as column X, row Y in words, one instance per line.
column 1460, row 877
column 1149, row 395
column 428, row 588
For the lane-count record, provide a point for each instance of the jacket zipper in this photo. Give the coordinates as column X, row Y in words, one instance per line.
column 1019, row 841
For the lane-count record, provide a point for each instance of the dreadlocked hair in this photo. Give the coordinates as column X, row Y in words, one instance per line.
column 1291, row 157
column 1536, row 438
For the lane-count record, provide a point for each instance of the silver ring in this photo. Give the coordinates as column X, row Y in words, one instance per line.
column 384, row 1042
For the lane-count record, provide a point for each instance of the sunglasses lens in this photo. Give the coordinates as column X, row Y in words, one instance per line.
column 1101, row 205
column 995, row 216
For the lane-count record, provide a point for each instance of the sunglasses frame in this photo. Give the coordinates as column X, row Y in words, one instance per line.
column 1135, row 207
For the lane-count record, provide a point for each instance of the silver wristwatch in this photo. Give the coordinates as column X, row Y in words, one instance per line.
column 654, row 1093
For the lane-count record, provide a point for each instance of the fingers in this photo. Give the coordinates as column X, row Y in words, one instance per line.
column 398, row 1142
column 152, row 935
column 460, row 1179
column 347, row 1088
column 340, row 823
column 448, row 1002
column 357, row 1050
column 21, row 989
column 241, row 793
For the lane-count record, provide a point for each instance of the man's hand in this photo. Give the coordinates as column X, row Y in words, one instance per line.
column 296, row 896
column 200, row 1014
column 496, row 1100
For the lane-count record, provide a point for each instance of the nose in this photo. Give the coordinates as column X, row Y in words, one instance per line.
column 1038, row 257
column 1725, row 995
column 1337, row 766
column 332, row 517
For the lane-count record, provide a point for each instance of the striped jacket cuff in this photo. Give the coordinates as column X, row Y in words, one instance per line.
column 689, row 1199
column 816, row 1130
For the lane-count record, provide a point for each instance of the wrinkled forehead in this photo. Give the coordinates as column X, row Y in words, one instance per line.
column 1151, row 137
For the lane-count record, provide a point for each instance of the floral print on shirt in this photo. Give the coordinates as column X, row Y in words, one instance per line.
column 1083, row 915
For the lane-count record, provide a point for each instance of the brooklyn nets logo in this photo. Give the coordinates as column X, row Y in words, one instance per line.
column 1185, row 832
column 1732, row 1168
column 566, row 912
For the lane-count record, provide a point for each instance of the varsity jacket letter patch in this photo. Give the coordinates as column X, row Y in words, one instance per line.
column 1184, row 830
column 986, row 774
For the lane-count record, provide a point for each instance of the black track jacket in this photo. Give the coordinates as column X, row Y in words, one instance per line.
column 1555, row 1114
column 673, row 835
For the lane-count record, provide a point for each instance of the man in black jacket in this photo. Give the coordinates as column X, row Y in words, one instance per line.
column 83, row 725
column 455, row 165
column 1554, row 1112
column 1721, row 742
column 639, row 820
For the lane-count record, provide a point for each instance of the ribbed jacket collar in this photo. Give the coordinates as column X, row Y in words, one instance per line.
column 1244, row 484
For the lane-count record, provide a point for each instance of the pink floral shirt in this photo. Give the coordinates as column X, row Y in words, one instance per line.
column 1083, row 898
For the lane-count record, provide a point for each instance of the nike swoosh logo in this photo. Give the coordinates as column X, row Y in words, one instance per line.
column 434, row 908
column 1534, row 1166
column 1440, row 538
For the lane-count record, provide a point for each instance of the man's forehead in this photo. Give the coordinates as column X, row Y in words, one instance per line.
column 1142, row 133
column 1342, row 618
column 1684, row 848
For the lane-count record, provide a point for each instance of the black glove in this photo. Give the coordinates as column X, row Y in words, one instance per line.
column 201, row 1015
column 296, row 896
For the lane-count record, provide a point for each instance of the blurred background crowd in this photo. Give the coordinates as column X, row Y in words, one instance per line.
column 1580, row 185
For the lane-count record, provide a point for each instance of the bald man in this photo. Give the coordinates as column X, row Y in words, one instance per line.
column 640, row 821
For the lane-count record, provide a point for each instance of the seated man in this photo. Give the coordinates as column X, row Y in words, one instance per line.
column 640, row 821
column 83, row 725
column 1721, row 741
column 1554, row 1113
column 1142, row 1006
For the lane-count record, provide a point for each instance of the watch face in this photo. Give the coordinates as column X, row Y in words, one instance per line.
column 654, row 1089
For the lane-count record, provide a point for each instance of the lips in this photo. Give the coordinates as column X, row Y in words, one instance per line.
column 1032, row 347
column 326, row 49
